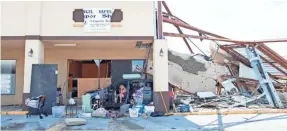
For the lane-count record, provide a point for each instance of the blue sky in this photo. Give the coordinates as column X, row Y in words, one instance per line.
column 235, row 19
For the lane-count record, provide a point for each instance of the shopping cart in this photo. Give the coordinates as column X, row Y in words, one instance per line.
column 36, row 103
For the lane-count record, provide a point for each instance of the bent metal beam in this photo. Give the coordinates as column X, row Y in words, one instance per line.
column 273, row 55
column 267, row 51
column 238, row 45
column 240, row 57
column 238, row 42
column 177, row 27
column 181, row 24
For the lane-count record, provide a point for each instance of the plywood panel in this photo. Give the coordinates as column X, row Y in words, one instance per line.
column 75, row 68
column 91, row 70
column 44, row 82
column 88, row 84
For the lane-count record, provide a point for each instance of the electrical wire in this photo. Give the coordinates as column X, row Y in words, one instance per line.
column 196, row 46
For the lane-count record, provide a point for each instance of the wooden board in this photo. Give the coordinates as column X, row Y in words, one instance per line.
column 88, row 84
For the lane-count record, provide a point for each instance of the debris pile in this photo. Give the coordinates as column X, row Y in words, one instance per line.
column 233, row 85
column 255, row 73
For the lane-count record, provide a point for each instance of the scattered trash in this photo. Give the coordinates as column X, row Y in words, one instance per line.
column 183, row 108
column 72, row 101
column 134, row 112
column 114, row 114
column 157, row 114
column 186, row 101
column 101, row 112
column 148, row 110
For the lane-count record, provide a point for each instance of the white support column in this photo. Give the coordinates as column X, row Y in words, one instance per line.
column 161, row 97
column 160, row 65
column 37, row 57
column 33, row 43
column 33, row 28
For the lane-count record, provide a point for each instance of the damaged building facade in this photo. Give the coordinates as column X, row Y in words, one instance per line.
column 192, row 73
column 71, row 48
column 66, row 38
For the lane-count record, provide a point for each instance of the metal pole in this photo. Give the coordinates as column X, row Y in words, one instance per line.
column 99, row 73
column 219, row 119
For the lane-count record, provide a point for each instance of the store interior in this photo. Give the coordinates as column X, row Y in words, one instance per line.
column 109, row 83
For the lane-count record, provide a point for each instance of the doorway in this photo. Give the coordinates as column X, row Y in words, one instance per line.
column 85, row 75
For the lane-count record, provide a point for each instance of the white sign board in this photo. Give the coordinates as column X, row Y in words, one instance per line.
column 5, row 83
column 97, row 19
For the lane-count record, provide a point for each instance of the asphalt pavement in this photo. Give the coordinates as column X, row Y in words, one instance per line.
column 248, row 122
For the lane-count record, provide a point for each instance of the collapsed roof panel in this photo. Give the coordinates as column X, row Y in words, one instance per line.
column 268, row 67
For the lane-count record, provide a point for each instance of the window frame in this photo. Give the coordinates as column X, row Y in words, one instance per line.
column 14, row 77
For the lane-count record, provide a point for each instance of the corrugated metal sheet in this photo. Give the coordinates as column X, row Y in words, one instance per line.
column 267, row 66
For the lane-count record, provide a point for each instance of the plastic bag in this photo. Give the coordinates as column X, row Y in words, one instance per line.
column 149, row 109
column 101, row 112
column 31, row 103
column 72, row 101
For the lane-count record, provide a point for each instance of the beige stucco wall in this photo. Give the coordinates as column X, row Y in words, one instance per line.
column 60, row 57
column 55, row 18
column 18, row 55
column 13, row 18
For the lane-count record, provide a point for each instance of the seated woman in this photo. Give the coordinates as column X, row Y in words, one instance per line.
column 122, row 92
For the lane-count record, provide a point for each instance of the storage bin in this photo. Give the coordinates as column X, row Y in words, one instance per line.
column 140, row 109
column 134, row 112
column 86, row 103
column 58, row 111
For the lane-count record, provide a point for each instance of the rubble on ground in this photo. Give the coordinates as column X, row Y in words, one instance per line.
column 236, row 85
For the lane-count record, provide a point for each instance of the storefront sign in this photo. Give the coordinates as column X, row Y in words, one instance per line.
column 137, row 65
column 97, row 20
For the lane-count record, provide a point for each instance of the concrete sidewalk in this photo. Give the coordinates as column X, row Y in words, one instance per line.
column 197, row 122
